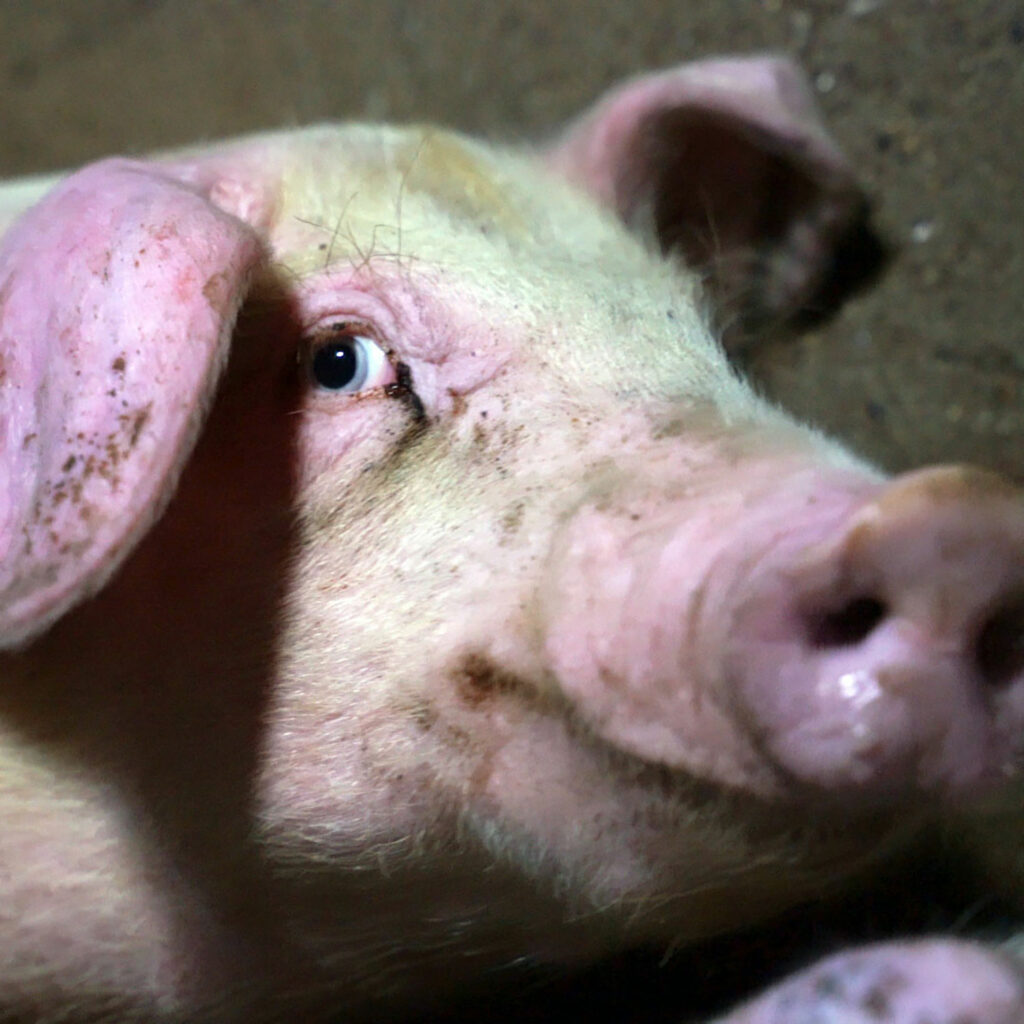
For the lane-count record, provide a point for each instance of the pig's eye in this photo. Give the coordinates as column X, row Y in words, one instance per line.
column 341, row 360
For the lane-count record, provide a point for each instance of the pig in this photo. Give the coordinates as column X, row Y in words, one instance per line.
column 402, row 592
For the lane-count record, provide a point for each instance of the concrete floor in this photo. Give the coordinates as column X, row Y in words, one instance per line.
column 927, row 97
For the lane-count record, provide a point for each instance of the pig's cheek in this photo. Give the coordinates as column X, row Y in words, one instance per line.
column 342, row 436
column 524, row 778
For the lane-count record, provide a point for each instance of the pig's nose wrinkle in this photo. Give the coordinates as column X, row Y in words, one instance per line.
column 999, row 649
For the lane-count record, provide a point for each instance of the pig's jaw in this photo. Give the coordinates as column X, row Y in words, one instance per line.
column 531, row 840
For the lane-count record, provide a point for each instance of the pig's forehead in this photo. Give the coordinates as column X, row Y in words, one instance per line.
column 480, row 230
column 426, row 194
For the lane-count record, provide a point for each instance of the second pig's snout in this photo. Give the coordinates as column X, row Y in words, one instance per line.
column 890, row 657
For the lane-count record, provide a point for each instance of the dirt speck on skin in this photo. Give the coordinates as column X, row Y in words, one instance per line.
column 404, row 391
column 215, row 291
column 512, row 520
column 137, row 422
column 458, row 403
column 478, row 680
column 424, row 714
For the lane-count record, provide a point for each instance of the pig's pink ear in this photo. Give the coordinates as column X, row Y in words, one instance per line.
column 727, row 163
column 118, row 293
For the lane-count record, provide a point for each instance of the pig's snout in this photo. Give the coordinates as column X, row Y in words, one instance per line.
column 840, row 638
column 891, row 655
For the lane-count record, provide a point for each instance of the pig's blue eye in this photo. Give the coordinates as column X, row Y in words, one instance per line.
column 346, row 362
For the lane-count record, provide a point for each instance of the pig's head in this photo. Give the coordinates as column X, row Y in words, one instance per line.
column 509, row 566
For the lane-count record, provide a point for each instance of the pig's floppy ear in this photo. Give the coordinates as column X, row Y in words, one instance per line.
column 118, row 294
column 727, row 162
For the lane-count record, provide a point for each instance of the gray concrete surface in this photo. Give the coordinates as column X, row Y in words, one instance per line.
column 927, row 96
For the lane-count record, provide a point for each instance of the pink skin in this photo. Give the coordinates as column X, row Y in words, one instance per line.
column 899, row 983
column 81, row 480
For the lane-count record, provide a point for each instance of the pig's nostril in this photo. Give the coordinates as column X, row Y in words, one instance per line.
column 849, row 625
column 999, row 651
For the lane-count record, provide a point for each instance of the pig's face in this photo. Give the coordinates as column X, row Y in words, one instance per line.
column 489, row 589
column 547, row 415
column 515, row 411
